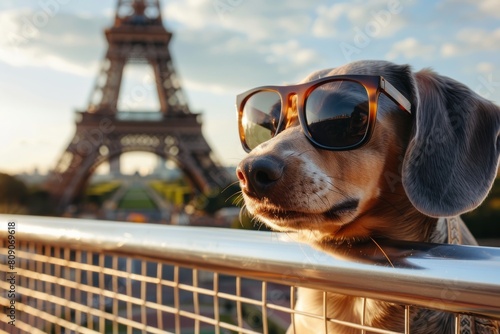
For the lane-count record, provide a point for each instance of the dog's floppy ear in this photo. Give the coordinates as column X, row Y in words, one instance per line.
column 452, row 158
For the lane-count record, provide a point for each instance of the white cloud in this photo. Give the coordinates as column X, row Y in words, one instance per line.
column 476, row 39
column 212, row 88
column 257, row 20
column 449, row 50
column 491, row 7
column 240, row 42
column 410, row 48
column 471, row 40
column 232, row 60
column 326, row 22
column 64, row 42
column 376, row 19
column 289, row 52
column 488, row 7
column 485, row 67
column 194, row 14
column 474, row 10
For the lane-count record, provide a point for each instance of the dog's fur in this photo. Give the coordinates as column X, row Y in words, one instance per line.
column 439, row 162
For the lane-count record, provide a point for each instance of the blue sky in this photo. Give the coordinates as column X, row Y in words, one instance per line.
column 50, row 52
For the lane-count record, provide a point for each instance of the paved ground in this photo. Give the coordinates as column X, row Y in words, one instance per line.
column 160, row 213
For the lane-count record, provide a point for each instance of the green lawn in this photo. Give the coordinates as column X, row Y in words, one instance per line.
column 136, row 198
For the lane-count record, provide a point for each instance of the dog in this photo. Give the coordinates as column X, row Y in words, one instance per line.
column 367, row 151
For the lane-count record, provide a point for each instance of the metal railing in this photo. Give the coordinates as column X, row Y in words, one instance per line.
column 84, row 276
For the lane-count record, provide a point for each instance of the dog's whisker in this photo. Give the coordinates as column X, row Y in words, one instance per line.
column 238, row 197
column 322, row 199
column 385, row 254
column 243, row 211
column 229, row 185
column 335, row 187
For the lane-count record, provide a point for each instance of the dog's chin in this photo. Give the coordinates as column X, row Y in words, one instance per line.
column 326, row 224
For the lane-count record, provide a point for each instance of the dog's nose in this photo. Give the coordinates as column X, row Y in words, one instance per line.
column 257, row 175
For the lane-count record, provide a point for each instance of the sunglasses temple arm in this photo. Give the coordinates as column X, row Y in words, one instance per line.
column 395, row 95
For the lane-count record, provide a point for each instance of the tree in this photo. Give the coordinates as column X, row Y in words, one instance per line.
column 39, row 202
column 13, row 195
column 219, row 199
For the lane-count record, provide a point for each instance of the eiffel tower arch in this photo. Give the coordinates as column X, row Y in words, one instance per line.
column 103, row 132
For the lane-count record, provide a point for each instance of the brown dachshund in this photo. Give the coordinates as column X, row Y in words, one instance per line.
column 368, row 151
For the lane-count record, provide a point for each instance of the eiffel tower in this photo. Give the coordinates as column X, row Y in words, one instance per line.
column 103, row 133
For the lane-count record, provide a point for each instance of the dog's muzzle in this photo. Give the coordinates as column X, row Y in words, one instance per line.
column 257, row 175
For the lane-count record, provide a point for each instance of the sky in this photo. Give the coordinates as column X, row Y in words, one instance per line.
column 50, row 52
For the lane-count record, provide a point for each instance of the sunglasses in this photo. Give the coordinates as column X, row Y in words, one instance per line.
column 336, row 113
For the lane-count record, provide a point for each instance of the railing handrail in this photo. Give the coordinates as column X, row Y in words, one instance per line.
column 447, row 277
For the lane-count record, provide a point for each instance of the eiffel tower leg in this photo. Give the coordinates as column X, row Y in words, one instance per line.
column 107, row 92
column 199, row 163
column 67, row 181
column 172, row 99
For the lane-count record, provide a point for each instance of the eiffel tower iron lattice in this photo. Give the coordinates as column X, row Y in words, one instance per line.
column 103, row 132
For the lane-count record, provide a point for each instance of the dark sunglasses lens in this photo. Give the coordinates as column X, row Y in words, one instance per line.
column 261, row 114
column 337, row 114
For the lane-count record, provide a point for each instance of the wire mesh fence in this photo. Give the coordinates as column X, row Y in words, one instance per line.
column 61, row 290
column 68, row 280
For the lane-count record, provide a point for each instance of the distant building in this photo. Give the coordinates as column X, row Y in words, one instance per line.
column 33, row 178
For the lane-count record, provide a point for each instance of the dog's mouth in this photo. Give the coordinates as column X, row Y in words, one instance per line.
column 336, row 212
column 342, row 209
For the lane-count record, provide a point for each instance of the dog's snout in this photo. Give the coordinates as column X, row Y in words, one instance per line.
column 257, row 175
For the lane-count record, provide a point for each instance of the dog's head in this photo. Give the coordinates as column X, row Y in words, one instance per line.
column 440, row 160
